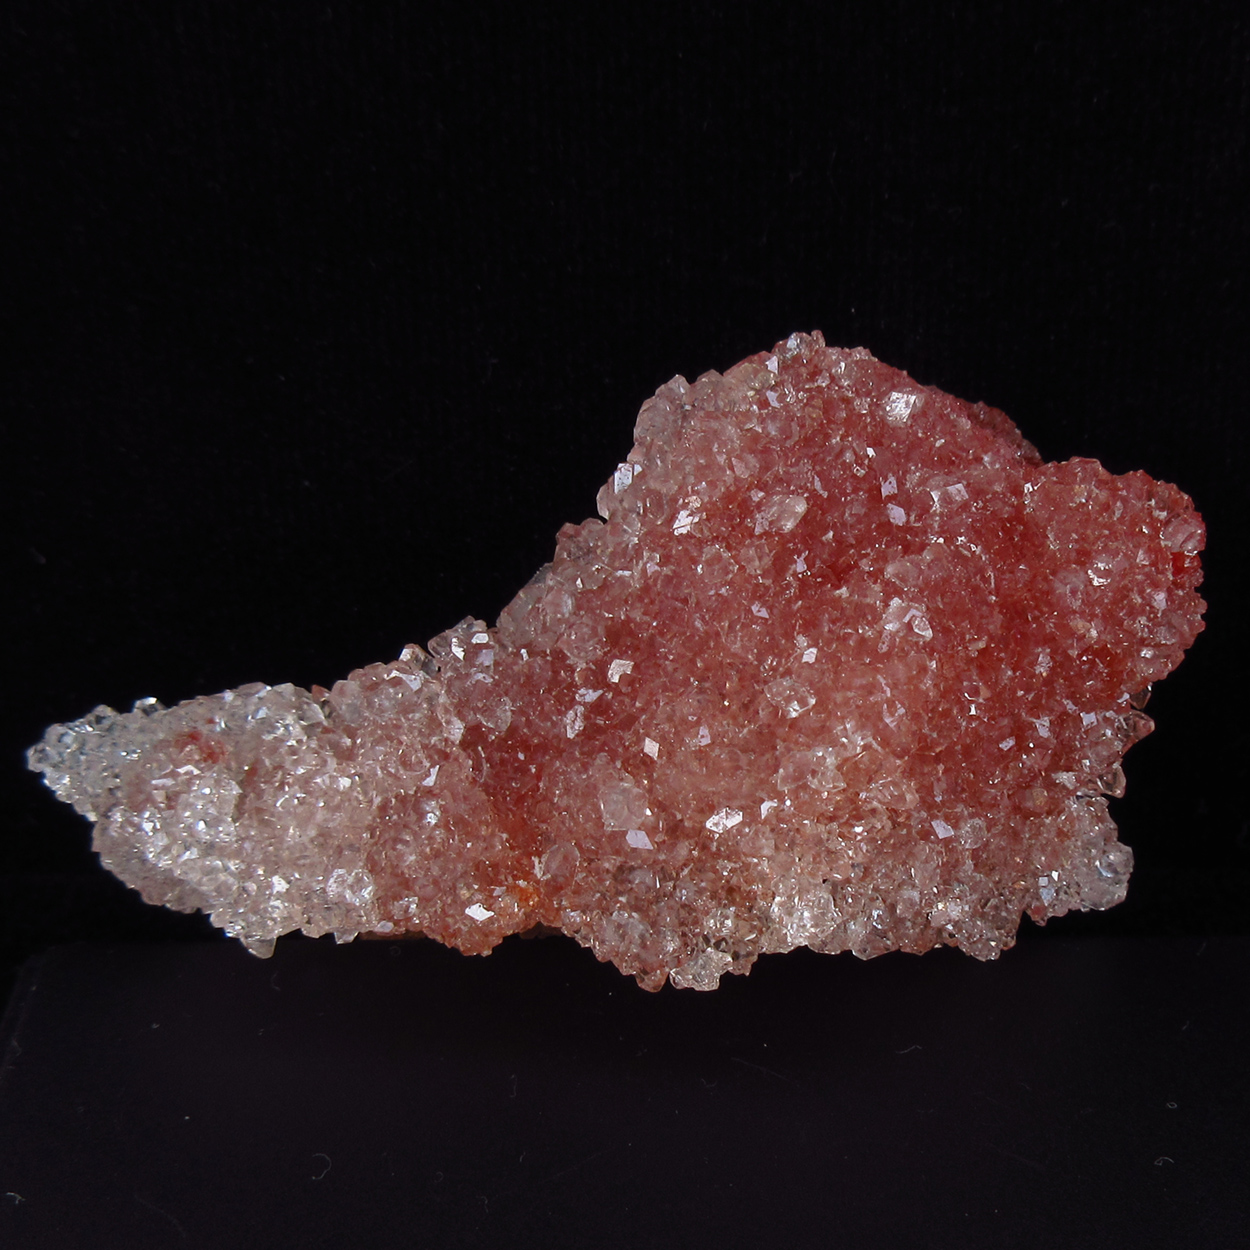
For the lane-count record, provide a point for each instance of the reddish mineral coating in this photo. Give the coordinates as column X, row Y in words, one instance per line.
column 845, row 665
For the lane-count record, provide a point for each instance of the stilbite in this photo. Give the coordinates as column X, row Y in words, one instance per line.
column 844, row 665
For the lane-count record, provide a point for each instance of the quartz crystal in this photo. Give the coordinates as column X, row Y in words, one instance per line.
column 843, row 665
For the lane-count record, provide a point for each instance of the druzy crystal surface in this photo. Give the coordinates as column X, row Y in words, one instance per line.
column 843, row 665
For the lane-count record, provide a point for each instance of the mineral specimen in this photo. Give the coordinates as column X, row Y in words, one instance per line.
column 843, row 665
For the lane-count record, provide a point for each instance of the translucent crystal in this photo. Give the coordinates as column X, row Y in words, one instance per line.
column 843, row 664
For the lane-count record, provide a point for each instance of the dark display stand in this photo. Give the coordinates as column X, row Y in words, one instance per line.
column 1079, row 1092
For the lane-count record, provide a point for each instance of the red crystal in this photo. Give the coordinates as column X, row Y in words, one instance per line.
column 843, row 665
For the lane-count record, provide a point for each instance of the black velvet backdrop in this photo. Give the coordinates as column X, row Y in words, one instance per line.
column 320, row 319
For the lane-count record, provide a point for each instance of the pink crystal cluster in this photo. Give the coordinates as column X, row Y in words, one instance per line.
column 844, row 665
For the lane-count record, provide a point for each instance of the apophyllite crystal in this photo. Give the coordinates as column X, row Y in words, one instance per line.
column 844, row 665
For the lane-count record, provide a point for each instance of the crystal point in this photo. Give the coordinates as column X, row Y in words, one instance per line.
column 843, row 664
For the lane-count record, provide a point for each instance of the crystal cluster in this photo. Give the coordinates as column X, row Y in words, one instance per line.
column 843, row 665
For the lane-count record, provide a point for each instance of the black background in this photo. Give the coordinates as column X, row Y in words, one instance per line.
column 320, row 319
